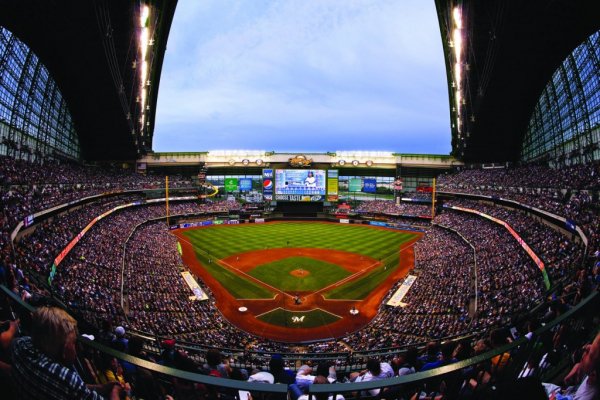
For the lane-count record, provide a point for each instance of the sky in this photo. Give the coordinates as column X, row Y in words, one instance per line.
column 304, row 76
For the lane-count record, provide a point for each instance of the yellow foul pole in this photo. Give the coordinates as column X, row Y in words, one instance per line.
column 167, row 197
column 433, row 200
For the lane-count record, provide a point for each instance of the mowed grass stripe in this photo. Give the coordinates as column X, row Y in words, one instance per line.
column 224, row 241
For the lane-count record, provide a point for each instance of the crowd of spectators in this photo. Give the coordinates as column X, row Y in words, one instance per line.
column 26, row 188
column 579, row 177
column 570, row 192
column 387, row 207
column 507, row 285
column 435, row 305
column 89, row 278
column 30, row 187
column 559, row 253
column 508, row 281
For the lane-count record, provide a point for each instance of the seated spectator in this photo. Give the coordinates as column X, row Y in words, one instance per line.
column 304, row 377
column 42, row 363
column 120, row 343
column 112, row 371
column 445, row 359
column 375, row 371
column 584, row 377
column 404, row 363
column 327, row 370
column 319, row 380
column 214, row 364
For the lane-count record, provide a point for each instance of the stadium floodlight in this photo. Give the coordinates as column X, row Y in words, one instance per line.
column 143, row 73
column 457, row 39
column 144, row 16
column 144, row 36
column 457, row 16
column 457, row 73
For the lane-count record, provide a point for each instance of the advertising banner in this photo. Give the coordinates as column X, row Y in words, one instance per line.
column 231, row 184
column 332, row 185
column 245, row 184
column 268, row 184
column 354, row 185
column 370, row 185
column 299, row 197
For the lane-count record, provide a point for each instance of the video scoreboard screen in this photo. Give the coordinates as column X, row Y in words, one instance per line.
column 300, row 184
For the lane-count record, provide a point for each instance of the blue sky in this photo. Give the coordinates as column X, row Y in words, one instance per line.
column 304, row 76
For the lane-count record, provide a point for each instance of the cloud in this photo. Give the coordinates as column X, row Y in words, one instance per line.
column 260, row 72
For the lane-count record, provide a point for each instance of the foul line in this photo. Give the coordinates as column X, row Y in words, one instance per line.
column 231, row 267
column 357, row 274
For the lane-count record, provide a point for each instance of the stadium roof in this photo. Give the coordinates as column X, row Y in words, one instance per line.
column 510, row 50
column 89, row 47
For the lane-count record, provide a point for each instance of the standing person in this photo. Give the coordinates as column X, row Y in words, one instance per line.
column 43, row 363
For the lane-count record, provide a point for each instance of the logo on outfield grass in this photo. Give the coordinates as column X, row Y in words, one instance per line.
column 298, row 320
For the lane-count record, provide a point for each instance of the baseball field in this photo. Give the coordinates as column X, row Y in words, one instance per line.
column 299, row 277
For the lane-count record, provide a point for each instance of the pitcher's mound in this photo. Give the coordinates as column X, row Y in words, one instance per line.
column 299, row 273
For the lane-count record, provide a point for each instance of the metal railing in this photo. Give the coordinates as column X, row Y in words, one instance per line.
column 502, row 365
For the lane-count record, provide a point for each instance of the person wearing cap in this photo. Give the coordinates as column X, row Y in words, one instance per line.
column 120, row 343
column 167, row 355
column 43, row 362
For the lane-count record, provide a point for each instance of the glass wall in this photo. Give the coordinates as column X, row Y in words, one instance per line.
column 564, row 128
column 253, row 195
column 34, row 119
column 351, row 188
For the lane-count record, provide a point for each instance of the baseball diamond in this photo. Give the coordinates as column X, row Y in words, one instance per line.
column 298, row 280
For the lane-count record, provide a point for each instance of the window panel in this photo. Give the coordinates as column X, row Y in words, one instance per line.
column 567, row 114
column 32, row 104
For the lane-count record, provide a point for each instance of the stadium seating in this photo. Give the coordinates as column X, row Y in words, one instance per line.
column 462, row 257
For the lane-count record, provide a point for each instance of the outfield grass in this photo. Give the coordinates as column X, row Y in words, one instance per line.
column 298, row 319
column 225, row 241
column 317, row 274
